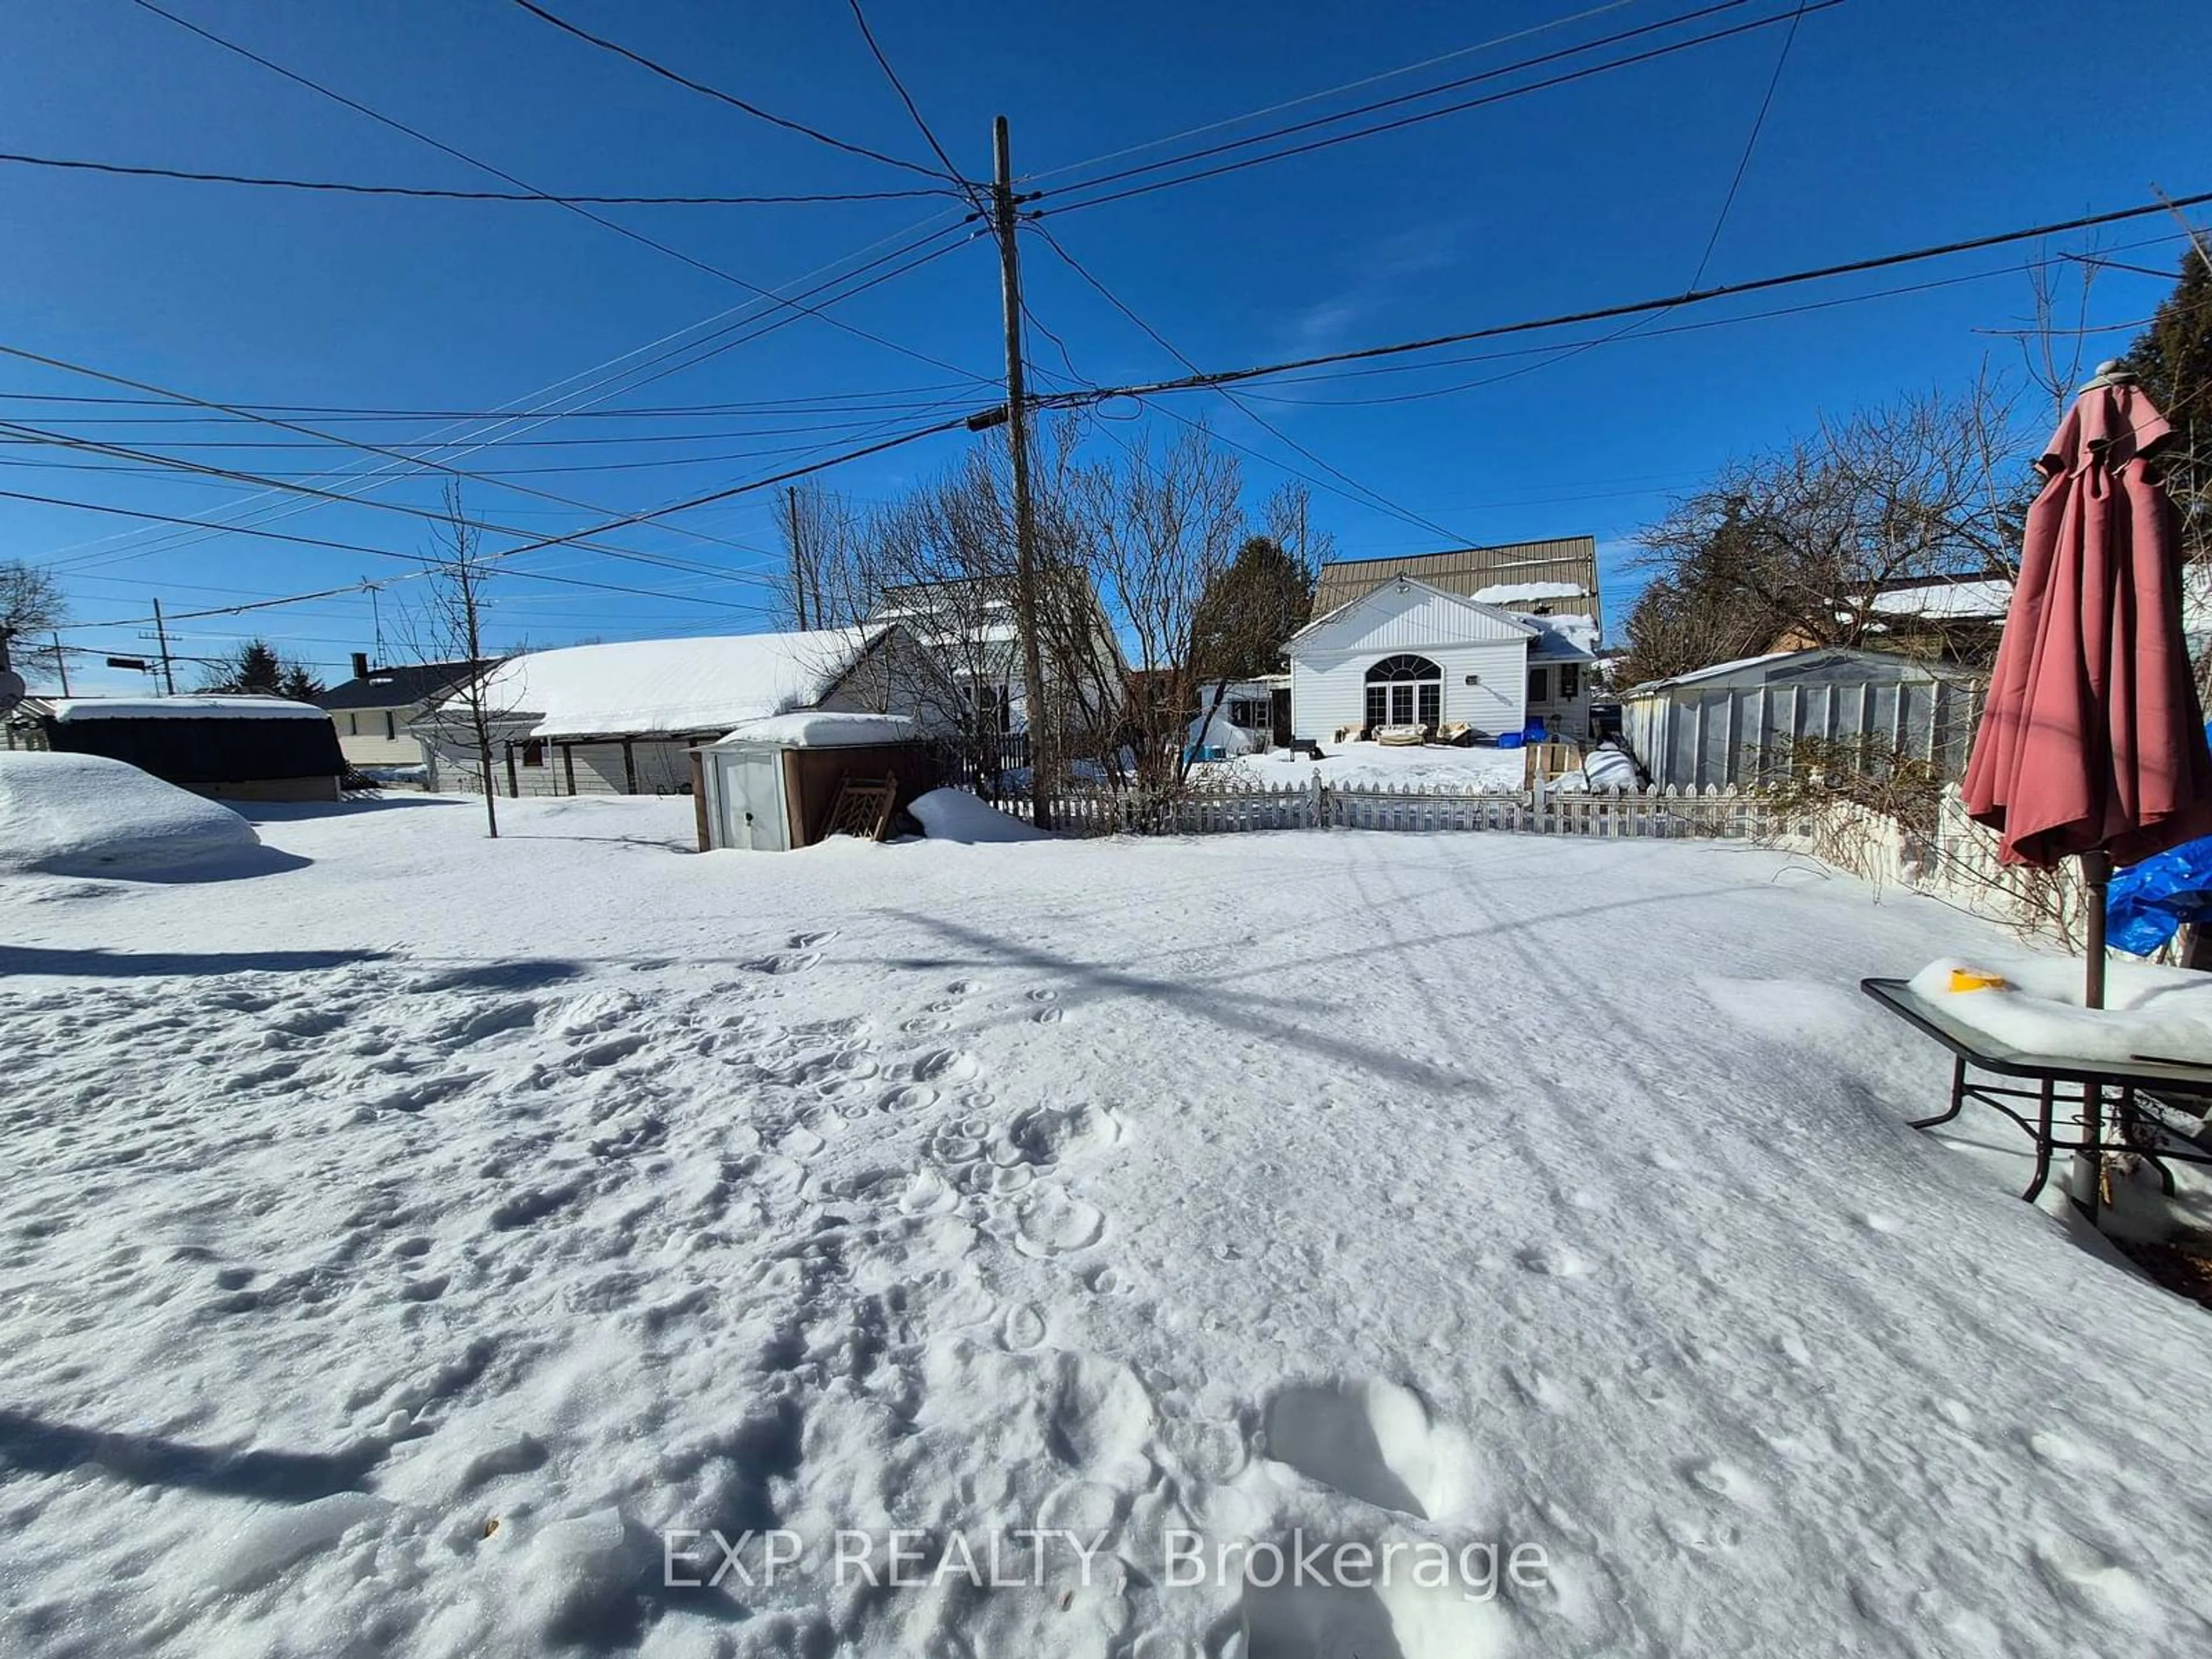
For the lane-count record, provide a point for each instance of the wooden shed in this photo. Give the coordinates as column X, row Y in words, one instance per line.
column 773, row 784
column 233, row 748
column 1720, row 725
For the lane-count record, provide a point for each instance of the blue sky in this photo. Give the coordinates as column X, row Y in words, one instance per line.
column 1895, row 124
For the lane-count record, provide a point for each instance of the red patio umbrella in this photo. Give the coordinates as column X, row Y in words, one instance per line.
column 2092, row 744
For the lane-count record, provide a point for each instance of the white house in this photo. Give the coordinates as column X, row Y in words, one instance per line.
column 1405, row 652
column 967, row 624
column 623, row 719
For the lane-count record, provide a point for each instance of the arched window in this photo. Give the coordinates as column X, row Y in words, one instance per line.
column 1405, row 690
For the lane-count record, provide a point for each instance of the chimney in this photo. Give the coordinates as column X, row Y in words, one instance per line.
column 360, row 665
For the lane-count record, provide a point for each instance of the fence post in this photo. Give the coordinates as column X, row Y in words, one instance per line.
column 1320, row 801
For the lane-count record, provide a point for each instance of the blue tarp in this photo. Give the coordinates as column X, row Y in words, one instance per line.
column 2150, row 902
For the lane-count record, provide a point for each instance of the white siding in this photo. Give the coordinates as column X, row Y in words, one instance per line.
column 361, row 739
column 1328, row 666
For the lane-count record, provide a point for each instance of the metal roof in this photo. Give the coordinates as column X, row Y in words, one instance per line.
column 1467, row 570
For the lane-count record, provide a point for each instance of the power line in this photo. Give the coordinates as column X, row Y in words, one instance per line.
column 1364, row 496
column 865, row 403
column 1750, row 144
column 1417, row 118
column 720, row 96
column 912, row 108
column 619, row 229
column 339, row 547
column 427, row 194
column 615, row 381
column 1606, row 313
column 1329, row 92
column 1801, row 309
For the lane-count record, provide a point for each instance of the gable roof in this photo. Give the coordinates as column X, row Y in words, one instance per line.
column 1511, row 567
column 401, row 685
column 672, row 687
column 1523, row 625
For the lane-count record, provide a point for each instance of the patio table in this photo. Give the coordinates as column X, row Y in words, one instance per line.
column 2069, row 1093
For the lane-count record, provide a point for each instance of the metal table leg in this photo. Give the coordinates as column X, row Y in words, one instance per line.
column 1958, row 1097
column 2045, row 1098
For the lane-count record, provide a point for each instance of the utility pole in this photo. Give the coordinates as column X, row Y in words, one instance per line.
column 162, row 634
column 798, row 563
column 61, row 664
column 1038, row 723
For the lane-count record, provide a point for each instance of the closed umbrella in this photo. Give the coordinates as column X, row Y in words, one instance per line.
column 2092, row 743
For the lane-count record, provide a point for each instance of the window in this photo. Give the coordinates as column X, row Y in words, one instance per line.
column 1540, row 685
column 1570, row 681
column 391, row 727
column 1403, row 690
column 533, row 752
column 1250, row 713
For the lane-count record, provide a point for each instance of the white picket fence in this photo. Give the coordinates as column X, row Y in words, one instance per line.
column 1711, row 814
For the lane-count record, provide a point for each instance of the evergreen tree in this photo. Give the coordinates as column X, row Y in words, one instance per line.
column 257, row 670
column 2173, row 360
column 1251, row 609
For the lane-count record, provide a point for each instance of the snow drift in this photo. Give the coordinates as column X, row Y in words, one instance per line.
column 956, row 815
column 88, row 815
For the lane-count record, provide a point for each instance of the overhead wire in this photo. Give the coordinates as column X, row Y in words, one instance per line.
column 1418, row 118
column 424, row 192
column 601, row 219
column 721, row 96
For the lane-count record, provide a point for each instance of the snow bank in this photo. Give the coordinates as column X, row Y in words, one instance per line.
column 956, row 815
column 1570, row 635
column 709, row 685
column 185, row 708
column 820, row 729
column 2149, row 1013
column 85, row 814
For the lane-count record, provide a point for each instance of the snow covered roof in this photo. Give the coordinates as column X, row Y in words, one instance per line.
column 1831, row 662
column 1567, row 638
column 823, row 729
column 1514, row 621
column 65, row 710
column 671, row 686
column 1526, row 592
column 1965, row 599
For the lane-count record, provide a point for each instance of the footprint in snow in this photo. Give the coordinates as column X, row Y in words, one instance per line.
column 1023, row 1328
column 1553, row 1260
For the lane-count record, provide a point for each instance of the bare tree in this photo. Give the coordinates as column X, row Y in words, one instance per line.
column 829, row 579
column 1801, row 546
column 449, row 626
column 30, row 602
column 1157, row 533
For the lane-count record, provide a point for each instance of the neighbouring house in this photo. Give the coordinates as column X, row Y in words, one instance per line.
column 622, row 720
column 1404, row 652
column 1948, row 618
column 967, row 624
column 231, row 748
column 1557, row 578
column 375, row 711
column 1725, row 723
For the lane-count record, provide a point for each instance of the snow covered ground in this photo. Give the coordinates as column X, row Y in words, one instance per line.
column 393, row 1243
column 1423, row 766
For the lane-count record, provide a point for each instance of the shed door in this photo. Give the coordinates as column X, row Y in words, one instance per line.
column 752, row 805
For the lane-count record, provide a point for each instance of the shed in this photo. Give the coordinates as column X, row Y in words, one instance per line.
column 773, row 784
column 231, row 748
column 1720, row 725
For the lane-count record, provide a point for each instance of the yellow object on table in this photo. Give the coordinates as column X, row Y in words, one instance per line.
column 1976, row 979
